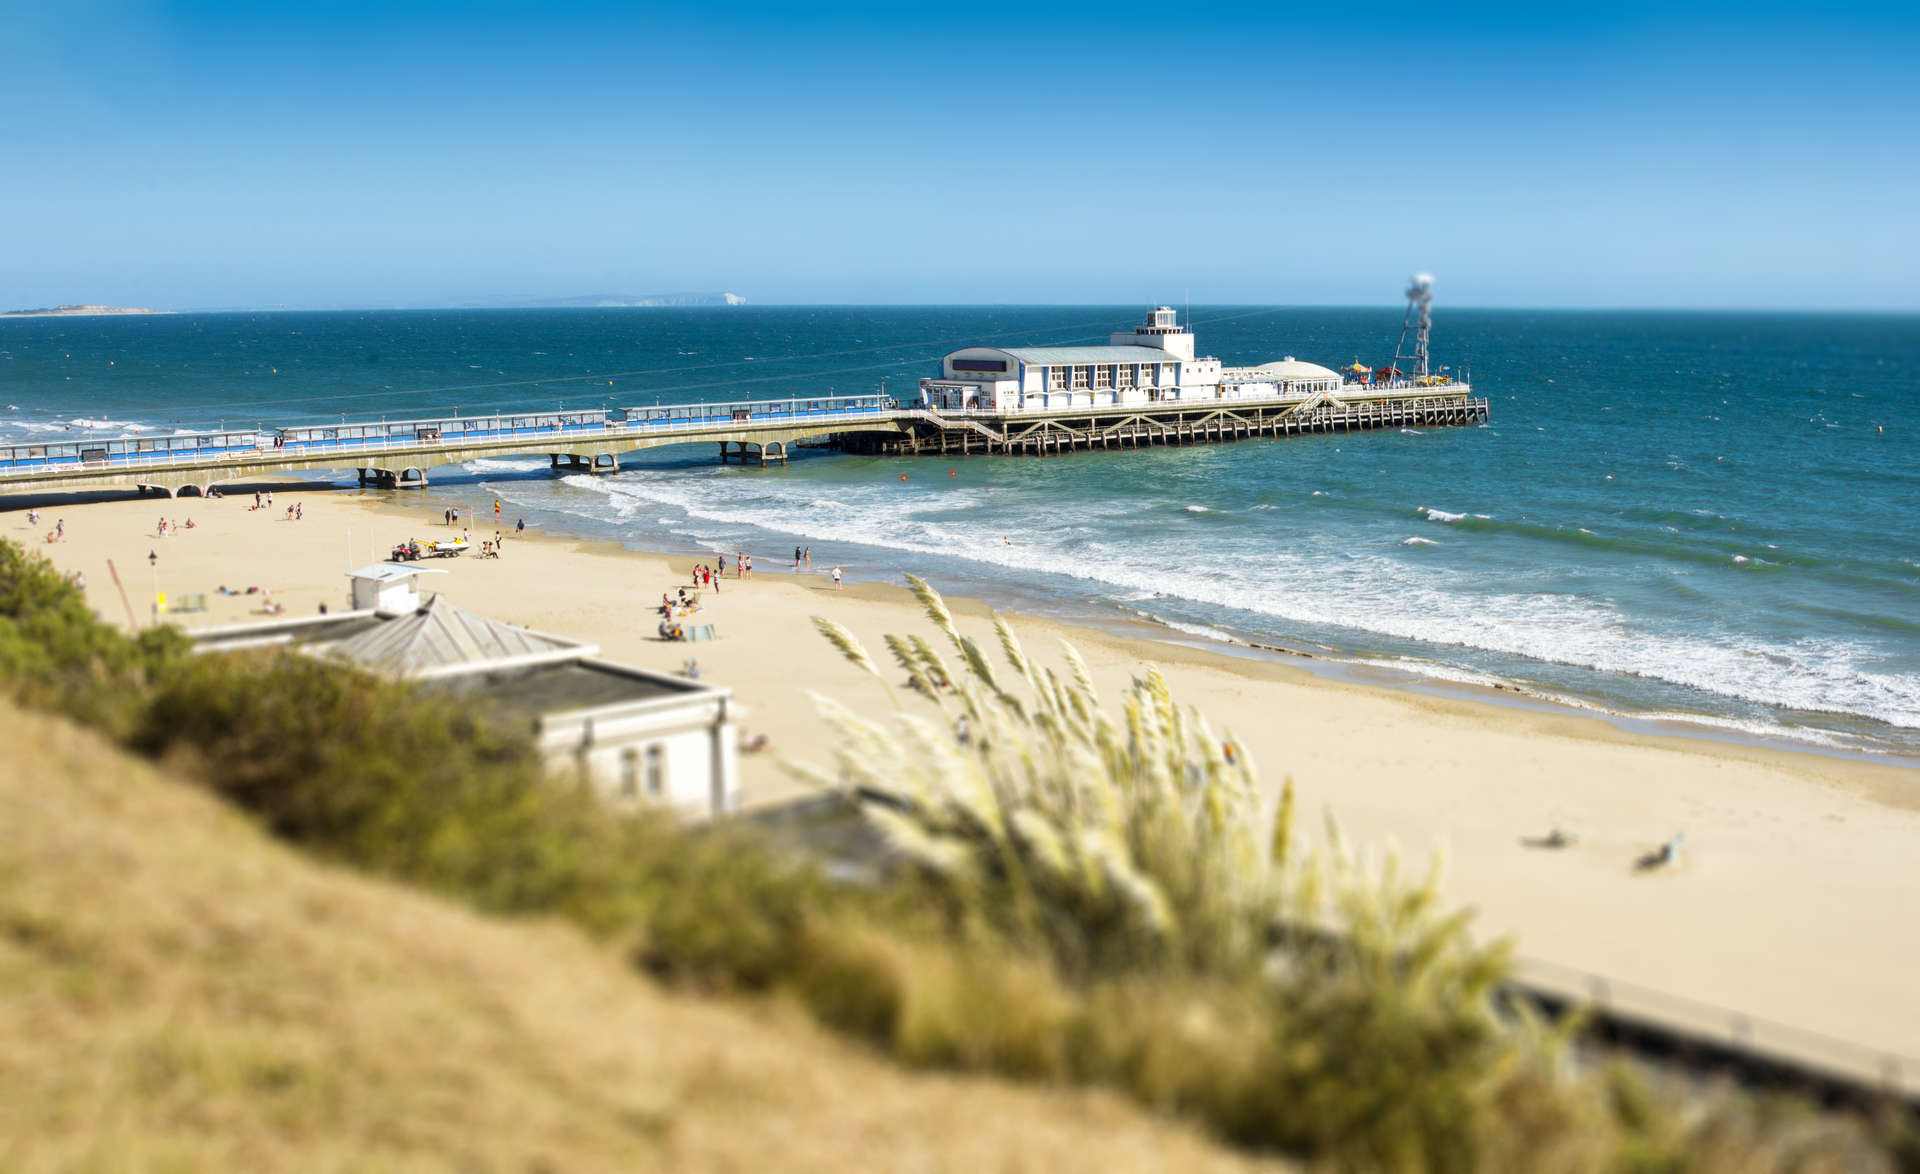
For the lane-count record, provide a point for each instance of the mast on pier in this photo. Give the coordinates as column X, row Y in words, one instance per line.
column 1419, row 320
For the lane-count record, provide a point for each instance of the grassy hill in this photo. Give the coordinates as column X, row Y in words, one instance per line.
column 177, row 990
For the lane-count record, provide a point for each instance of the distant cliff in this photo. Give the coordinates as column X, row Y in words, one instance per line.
column 80, row 311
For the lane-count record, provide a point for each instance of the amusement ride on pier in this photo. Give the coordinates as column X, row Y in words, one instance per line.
column 1147, row 387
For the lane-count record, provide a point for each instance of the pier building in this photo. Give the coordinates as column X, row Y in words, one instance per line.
column 1154, row 364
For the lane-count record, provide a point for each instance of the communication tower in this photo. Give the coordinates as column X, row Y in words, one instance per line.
column 1419, row 321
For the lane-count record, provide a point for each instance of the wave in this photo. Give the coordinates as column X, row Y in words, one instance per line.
column 1418, row 541
column 504, row 465
column 1357, row 592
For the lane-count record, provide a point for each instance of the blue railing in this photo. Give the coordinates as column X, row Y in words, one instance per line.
column 366, row 437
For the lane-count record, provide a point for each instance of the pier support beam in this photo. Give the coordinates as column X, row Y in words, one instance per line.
column 761, row 454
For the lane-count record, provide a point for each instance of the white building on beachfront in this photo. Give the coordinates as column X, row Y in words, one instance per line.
column 1154, row 364
column 638, row 736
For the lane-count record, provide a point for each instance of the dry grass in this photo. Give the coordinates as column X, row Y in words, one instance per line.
column 177, row 991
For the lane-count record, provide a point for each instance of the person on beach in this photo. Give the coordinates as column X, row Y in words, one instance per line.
column 60, row 530
column 269, row 499
column 496, row 509
column 749, row 566
column 33, row 517
column 796, row 558
column 836, row 578
column 809, row 558
column 299, row 511
column 160, row 528
column 739, row 565
column 521, row 526
column 256, row 499
column 497, row 544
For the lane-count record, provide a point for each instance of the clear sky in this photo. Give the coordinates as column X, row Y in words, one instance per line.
column 195, row 155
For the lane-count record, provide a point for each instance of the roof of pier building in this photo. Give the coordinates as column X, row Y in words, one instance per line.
column 1283, row 369
column 1060, row 356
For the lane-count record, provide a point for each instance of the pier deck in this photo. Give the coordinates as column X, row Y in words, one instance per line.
column 1032, row 434
column 758, row 432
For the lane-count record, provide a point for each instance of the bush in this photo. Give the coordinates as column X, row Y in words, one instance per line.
column 55, row 654
column 402, row 781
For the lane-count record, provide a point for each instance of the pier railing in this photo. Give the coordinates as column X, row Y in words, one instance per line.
column 494, row 430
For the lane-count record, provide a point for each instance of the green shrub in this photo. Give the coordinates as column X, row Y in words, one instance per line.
column 55, row 654
column 402, row 781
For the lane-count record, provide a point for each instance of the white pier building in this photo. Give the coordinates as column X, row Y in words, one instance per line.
column 1153, row 365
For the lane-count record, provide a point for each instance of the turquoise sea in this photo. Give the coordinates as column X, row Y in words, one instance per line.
column 1707, row 516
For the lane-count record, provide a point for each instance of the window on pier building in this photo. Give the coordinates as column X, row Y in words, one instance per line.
column 1080, row 376
column 1103, row 376
column 1123, row 375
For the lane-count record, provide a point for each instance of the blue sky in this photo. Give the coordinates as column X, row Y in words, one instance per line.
column 191, row 155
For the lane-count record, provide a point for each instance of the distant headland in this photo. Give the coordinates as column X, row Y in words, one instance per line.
column 77, row 311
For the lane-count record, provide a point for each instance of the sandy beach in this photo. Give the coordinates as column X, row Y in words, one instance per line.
column 1785, row 904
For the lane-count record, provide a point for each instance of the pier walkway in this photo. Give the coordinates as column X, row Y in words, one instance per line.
column 398, row 454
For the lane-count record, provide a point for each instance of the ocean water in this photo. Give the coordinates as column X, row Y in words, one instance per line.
column 1713, row 517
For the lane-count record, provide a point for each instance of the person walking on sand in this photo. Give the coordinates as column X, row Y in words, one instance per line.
column 496, row 509
column 299, row 511
column 60, row 530
column 836, row 578
column 739, row 565
column 33, row 517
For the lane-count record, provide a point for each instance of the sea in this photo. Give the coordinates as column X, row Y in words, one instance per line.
column 1701, row 522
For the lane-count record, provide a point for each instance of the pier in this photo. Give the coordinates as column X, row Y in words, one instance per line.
column 400, row 454
column 946, row 433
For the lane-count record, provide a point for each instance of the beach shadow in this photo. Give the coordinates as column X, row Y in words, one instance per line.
column 1552, row 841
column 1660, row 857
